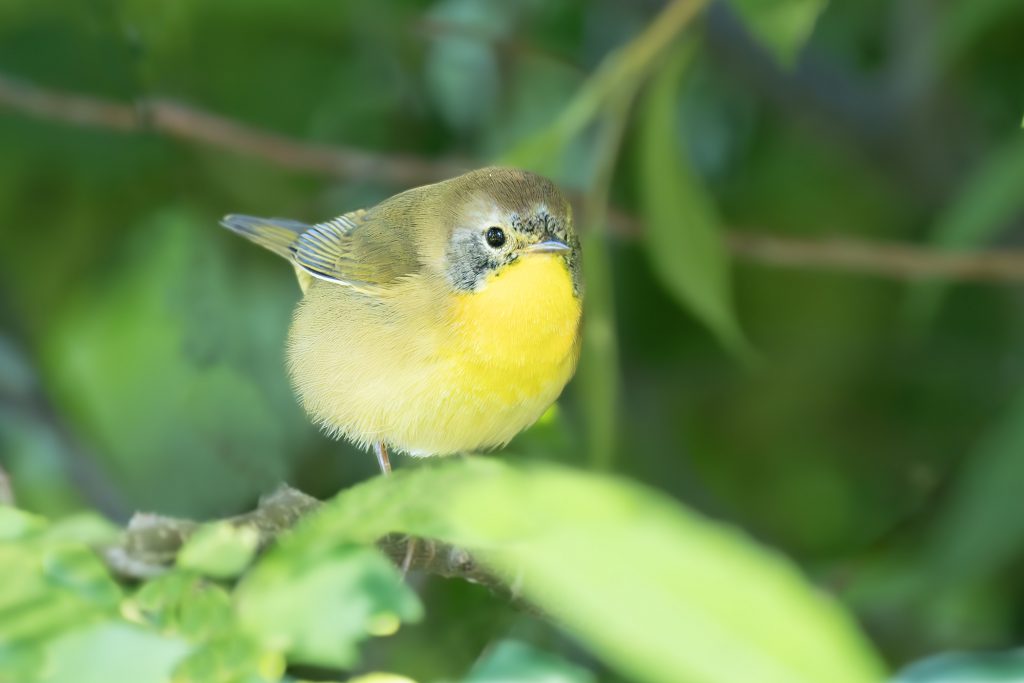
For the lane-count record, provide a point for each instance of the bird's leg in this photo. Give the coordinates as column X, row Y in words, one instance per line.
column 410, row 552
column 385, row 467
column 382, row 457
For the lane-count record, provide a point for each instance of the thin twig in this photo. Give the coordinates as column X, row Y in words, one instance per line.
column 895, row 261
column 187, row 123
column 195, row 125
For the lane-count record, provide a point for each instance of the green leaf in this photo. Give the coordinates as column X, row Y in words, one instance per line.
column 316, row 608
column 230, row 659
column 656, row 591
column 158, row 601
column 616, row 79
column 15, row 523
column 182, row 602
column 782, row 26
column 88, row 528
column 20, row 663
column 48, row 589
column 989, row 199
column 683, row 236
column 221, row 550
column 514, row 662
column 206, row 612
column 957, row 667
column 77, row 569
column 112, row 651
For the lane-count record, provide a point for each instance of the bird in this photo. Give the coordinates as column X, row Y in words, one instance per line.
column 445, row 319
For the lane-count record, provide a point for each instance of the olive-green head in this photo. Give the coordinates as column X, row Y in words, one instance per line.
column 462, row 230
column 495, row 216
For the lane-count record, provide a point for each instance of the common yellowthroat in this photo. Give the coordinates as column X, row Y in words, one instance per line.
column 442, row 320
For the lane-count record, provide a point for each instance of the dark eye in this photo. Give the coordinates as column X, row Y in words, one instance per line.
column 495, row 237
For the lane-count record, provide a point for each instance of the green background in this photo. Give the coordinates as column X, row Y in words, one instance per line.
column 870, row 428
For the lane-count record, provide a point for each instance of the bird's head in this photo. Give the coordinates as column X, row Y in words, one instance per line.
column 498, row 217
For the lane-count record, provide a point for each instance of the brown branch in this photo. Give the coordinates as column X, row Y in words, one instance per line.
column 891, row 260
column 187, row 123
column 194, row 125
column 150, row 544
column 896, row 261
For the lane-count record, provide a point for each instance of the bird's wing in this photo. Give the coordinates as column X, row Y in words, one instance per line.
column 356, row 249
column 353, row 249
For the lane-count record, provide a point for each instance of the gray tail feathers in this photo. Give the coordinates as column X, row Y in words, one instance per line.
column 276, row 234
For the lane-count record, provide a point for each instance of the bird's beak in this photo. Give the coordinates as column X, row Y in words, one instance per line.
column 547, row 247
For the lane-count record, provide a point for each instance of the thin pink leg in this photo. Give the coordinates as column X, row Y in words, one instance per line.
column 382, row 457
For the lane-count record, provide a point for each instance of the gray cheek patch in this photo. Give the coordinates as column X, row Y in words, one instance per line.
column 469, row 261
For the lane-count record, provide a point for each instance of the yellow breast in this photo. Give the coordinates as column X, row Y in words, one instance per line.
column 525, row 316
column 513, row 347
column 431, row 372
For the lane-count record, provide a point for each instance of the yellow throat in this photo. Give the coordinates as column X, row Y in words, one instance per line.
column 525, row 317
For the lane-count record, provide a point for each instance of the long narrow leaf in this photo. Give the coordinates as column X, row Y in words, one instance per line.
column 655, row 591
column 684, row 238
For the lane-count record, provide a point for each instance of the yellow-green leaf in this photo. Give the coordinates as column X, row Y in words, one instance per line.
column 316, row 607
column 15, row 523
column 221, row 550
column 112, row 651
column 657, row 592
column 683, row 235
column 231, row 658
column 182, row 602
column 782, row 26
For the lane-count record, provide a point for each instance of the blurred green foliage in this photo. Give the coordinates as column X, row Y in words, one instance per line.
column 614, row 564
column 141, row 347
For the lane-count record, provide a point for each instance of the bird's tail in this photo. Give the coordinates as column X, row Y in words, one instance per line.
column 276, row 234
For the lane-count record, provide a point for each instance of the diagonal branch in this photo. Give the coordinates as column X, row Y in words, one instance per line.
column 150, row 544
column 195, row 125
column 894, row 261
column 187, row 123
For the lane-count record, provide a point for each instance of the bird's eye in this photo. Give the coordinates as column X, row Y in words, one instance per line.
column 495, row 237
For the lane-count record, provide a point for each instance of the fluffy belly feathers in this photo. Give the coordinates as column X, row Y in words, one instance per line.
column 431, row 372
